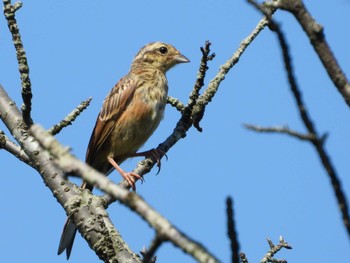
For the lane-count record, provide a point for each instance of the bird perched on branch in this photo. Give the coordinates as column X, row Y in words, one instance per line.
column 129, row 115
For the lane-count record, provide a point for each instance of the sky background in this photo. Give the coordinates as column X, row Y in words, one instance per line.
column 78, row 49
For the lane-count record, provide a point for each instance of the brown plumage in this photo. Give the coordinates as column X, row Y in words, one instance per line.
column 129, row 115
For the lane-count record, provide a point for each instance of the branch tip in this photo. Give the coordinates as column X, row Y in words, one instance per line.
column 70, row 118
column 17, row 6
column 269, row 257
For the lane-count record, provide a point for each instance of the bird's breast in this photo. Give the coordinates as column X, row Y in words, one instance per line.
column 141, row 117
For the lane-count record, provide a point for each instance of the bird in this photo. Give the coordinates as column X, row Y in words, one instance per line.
column 129, row 115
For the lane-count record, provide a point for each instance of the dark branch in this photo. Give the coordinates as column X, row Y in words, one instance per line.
column 318, row 40
column 319, row 141
column 316, row 36
column 243, row 258
column 231, row 231
column 198, row 114
column 149, row 254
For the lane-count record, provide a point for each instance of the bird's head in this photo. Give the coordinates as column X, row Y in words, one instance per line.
column 159, row 55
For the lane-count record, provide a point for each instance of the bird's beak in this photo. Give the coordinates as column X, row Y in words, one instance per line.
column 179, row 58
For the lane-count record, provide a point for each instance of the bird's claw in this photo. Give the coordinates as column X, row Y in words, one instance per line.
column 155, row 154
column 130, row 178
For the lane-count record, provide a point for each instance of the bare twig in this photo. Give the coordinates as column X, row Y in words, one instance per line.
column 149, row 254
column 14, row 149
column 231, row 231
column 9, row 12
column 206, row 56
column 70, row 117
column 176, row 103
column 203, row 67
column 282, row 130
column 318, row 40
column 243, row 258
column 269, row 257
column 214, row 84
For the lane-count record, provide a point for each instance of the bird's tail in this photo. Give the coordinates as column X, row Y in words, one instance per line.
column 69, row 231
column 67, row 238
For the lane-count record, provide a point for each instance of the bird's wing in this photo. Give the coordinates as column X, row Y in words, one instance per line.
column 113, row 106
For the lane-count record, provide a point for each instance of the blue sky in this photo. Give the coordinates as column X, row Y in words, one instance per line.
column 78, row 49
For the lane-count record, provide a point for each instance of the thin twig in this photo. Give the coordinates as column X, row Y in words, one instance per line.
column 70, row 117
column 9, row 12
column 231, row 231
column 149, row 254
column 214, row 84
column 269, row 257
column 203, row 67
column 13, row 148
column 177, row 104
column 282, row 130
column 243, row 258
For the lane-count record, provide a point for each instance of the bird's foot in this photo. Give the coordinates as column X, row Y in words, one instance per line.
column 128, row 176
column 155, row 154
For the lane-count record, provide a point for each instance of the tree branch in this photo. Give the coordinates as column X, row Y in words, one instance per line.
column 334, row 71
column 243, row 258
column 282, row 130
column 70, row 117
column 269, row 257
column 197, row 116
column 315, row 33
column 174, row 102
column 9, row 12
column 14, row 149
column 79, row 204
column 318, row 142
column 231, row 231
column 214, row 84
column 164, row 229
column 149, row 254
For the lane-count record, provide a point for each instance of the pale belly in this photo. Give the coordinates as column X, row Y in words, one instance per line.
column 135, row 126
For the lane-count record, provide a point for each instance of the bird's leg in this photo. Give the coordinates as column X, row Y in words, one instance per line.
column 128, row 176
column 156, row 154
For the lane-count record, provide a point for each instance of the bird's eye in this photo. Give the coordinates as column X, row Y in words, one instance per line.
column 163, row 50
